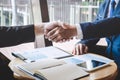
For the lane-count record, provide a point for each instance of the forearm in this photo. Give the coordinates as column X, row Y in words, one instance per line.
column 10, row 36
column 89, row 42
column 99, row 29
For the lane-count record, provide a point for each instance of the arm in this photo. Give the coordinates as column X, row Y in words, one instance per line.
column 101, row 28
column 90, row 30
column 10, row 36
column 15, row 35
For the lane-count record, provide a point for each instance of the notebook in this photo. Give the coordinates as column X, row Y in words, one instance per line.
column 41, row 53
column 53, row 69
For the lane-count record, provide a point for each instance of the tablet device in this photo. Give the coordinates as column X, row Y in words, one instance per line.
column 91, row 65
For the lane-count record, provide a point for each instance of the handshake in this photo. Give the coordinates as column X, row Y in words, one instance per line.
column 59, row 31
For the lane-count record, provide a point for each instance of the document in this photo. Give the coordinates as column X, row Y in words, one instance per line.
column 53, row 69
column 68, row 68
column 41, row 53
column 51, row 63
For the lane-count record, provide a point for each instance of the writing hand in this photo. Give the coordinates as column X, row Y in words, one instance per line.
column 80, row 49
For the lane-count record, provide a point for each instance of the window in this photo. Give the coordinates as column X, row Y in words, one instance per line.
column 70, row 11
column 73, row 12
column 15, row 12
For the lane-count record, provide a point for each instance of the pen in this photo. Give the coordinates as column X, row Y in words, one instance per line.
column 19, row 56
column 52, row 66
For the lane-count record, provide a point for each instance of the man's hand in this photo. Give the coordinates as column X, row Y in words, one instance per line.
column 58, row 31
column 80, row 49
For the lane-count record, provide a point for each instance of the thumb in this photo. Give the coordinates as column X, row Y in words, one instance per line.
column 49, row 26
column 65, row 25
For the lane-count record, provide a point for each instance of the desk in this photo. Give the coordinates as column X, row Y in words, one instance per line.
column 105, row 73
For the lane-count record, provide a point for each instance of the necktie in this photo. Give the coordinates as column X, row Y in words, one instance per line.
column 112, row 7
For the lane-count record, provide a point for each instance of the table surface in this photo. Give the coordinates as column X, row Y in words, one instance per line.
column 105, row 73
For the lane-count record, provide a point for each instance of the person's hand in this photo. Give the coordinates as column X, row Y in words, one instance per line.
column 59, row 32
column 50, row 26
column 80, row 49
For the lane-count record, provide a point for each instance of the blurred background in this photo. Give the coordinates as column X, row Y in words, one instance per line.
column 19, row 12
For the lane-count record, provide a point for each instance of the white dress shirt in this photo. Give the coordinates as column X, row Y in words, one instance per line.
column 79, row 30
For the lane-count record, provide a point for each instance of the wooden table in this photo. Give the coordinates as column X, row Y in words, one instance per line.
column 105, row 73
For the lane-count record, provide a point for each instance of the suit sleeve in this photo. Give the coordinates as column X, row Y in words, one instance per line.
column 89, row 42
column 10, row 36
column 101, row 28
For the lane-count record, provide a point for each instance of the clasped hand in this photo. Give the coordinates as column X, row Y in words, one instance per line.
column 59, row 31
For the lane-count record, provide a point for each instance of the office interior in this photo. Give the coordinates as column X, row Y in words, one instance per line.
column 24, row 12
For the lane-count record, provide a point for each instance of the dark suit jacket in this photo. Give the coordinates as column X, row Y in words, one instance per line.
column 10, row 36
column 104, row 27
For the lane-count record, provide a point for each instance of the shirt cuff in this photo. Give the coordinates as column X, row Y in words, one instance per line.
column 79, row 32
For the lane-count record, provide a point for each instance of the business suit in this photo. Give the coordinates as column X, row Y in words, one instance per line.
column 10, row 36
column 104, row 27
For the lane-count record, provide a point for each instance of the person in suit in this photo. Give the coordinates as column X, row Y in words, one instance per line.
column 14, row 35
column 105, row 25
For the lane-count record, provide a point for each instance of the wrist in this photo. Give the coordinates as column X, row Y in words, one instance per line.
column 74, row 30
column 79, row 32
column 39, row 29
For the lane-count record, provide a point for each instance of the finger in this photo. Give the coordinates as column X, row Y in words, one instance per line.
column 64, row 40
column 56, row 33
column 56, row 37
column 86, row 49
column 74, row 51
column 51, row 25
column 80, row 51
column 64, row 25
column 51, row 34
column 77, row 51
column 61, row 41
column 48, row 27
column 53, row 39
column 68, row 39
column 59, row 38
